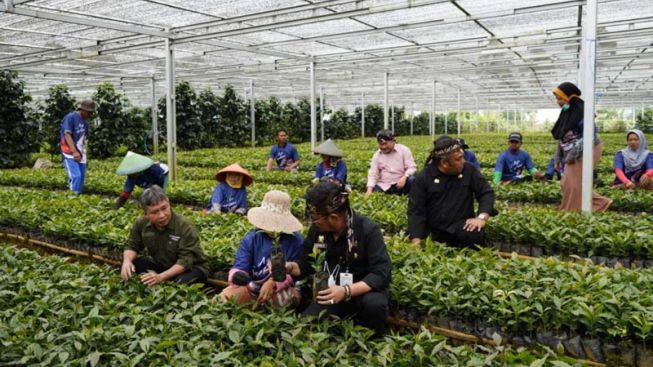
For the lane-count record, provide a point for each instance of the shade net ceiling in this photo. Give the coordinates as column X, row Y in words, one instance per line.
column 499, row 54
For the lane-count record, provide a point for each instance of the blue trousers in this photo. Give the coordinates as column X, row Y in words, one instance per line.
column 76, row 173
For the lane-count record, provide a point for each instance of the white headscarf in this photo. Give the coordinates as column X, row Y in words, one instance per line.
column 635, row 158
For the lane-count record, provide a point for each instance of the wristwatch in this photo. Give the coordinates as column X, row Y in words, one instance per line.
column 483, row 216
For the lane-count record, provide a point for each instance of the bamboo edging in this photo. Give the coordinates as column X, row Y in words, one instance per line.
column 452, row 334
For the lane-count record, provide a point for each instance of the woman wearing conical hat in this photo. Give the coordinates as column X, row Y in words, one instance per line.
column 332, row 165
column 141, row 171
column 230, row 195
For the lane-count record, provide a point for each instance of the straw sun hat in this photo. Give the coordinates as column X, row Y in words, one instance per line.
column 274, row 214
column 235, row 168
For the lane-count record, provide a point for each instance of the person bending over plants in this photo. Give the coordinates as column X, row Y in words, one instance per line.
column 441, row 203
column 141, row 171
column 356, row 264
column 260, row 271
column 230, row 195
column 170, row 240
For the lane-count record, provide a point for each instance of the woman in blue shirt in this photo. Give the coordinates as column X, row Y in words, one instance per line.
column 260, row 272
column 633, row 165
column 230, row 195
column 332, row 165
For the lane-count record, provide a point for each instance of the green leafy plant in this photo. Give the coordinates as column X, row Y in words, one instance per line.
column 18, row 128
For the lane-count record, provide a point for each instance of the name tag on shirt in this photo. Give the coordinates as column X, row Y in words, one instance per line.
column 346, row 279
column 174, row 238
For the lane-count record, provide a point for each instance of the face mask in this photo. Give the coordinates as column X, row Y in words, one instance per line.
column 565, row 107
column 235, row 181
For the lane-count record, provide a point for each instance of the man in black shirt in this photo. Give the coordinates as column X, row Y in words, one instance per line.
column 441, row 201
column 356, row 259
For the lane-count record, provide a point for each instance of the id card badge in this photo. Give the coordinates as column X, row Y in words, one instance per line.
column 346, row 279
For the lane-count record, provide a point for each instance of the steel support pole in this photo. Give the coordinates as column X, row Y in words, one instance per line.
column 432, row 128
column 252, row 111
column 385, row 100
column 412, row 117
column 362, row 115
column 393, row 117
column 155, row 122
column 458, row 116
column 171, row 112
column 321, row 114
column 589, row 74
column 313, row 114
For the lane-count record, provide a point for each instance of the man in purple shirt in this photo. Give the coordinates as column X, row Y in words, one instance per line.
column 393, row 167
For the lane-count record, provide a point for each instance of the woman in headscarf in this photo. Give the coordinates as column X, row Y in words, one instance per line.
column 633, row 165
column 568, row 131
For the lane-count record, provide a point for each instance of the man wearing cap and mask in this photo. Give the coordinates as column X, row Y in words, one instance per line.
column 441, row 202
column 512, row 163
column 470, row 157
column 74, row 135
column 141, row 171
column 392, row 167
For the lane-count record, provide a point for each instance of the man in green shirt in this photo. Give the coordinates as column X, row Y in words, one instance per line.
column 171, row 241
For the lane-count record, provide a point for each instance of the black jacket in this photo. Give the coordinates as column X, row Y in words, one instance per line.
column 437, row 201
column 369, row 261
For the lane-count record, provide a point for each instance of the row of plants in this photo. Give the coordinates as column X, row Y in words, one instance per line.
column 590, row 311
column 551, row 232
column 512, row 295
column 56, row 313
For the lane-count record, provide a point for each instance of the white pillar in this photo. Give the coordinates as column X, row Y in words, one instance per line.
column 171, row 117
column 321, row 114
column 412, row 116
column 589, row 56
column 432, row 128
column 393, row 117
column 362, row 115
column 252, row 111
column 458, row 116
column 385, row 100
column 155, row 122
column 313, row 117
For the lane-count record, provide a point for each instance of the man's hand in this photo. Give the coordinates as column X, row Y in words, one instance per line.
column 402, row 182
column 474, row 224
column 556, row 167
column 151, row 278
column 629, row 185
column 267, row 291
column 645, row 180
column 331, row 296
column 368, row 193
column 127, row 270
column 539, row 176
column 77, row 156
column 417, row 243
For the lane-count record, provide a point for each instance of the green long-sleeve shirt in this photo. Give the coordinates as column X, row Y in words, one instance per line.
column 178, row 243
